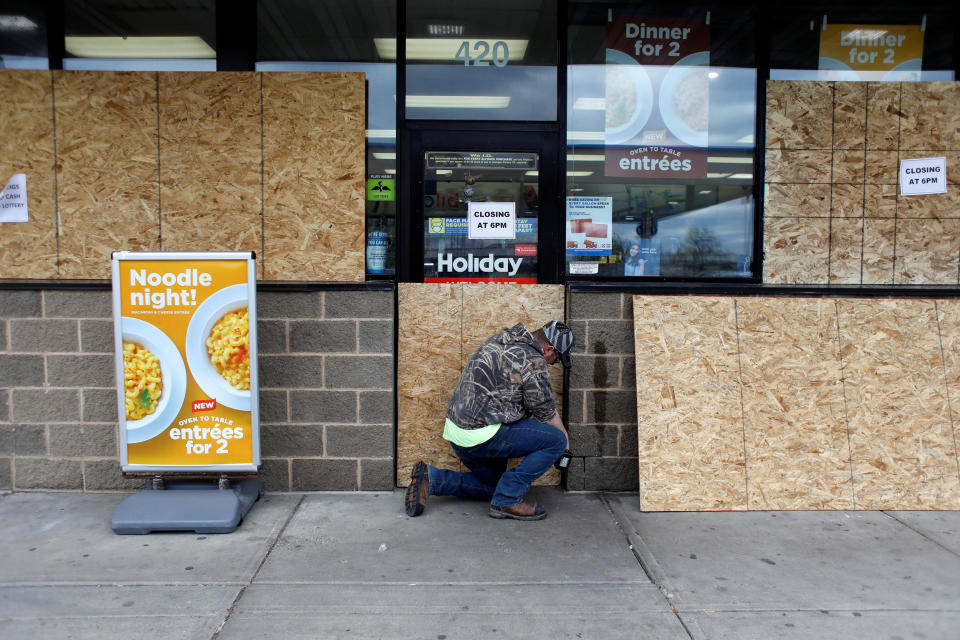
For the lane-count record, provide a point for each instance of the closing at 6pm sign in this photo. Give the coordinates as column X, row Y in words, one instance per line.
column 496, row 220
column 921, row 176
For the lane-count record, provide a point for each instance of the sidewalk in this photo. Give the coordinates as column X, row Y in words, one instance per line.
column 352, row 565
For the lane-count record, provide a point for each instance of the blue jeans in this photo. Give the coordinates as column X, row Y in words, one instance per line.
column 537, row 443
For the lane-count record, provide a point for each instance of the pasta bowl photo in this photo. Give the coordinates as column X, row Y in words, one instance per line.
column 685, row 99
column 628, row 98
column 218, row 347
column 155, row 380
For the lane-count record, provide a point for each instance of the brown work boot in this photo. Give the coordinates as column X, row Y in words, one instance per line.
column 520, row 511
column 418, row 490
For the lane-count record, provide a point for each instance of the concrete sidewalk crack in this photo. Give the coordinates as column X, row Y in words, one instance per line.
column 921, row 533
column 256, row 572
column 651, row 567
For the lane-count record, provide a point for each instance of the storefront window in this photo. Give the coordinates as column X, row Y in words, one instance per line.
column 179, row 35
column 481, row 211
column 23, row 35
column 494, row 60
column 880, row 42
column 661, row 135
column 341, row 35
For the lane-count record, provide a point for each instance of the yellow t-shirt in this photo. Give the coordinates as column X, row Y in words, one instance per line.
column 468, row 437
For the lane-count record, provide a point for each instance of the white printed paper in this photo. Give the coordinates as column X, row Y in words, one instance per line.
column 494, row 220
column 13, row 201
column 922, row 176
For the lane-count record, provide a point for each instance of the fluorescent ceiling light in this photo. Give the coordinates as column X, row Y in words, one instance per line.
column 445, row 49
column 598, row 104
column 718, row 175
column 583, row 157
column 383, row 155
column 747, row 139
column 444, row 172
column 381, row 133
column 16, row 23
column 586, row 135
column 731, row 159
column 459, row 102
column 390, row 171
column 742, row 176
column 579, row 174
column 138, row 47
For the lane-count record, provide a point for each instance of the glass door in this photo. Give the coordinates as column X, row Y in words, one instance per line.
column 486, row 206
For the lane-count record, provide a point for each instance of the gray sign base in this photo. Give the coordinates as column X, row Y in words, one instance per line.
column 187, row 506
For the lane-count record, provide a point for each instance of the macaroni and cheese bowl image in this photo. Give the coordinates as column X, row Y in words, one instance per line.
column 154, row 379
column 218, row 347
column 628, row 97
column 685, row 99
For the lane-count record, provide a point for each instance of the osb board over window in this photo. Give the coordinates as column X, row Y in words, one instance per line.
column 313, row 166
column 690, row 432
column 832, row 212
column 440, row 326
column 107, row 168
column 28, row 249
column 790, row 403
column 210, row 161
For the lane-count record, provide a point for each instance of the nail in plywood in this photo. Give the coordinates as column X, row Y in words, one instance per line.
column 796, row 250
column 313, row 164
column 927, row 251
column 210, row 161
column 799, row 115
column 435, row 317
column 107, row 168
column 689, row 422
column 28, row 249
column 902, row 447
column 795, row 428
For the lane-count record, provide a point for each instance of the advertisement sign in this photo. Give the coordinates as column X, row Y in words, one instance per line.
column 879, row 48
column 657, row 97
column 496, row 220
column 381, row 188
column 13, row 200
column 186, row 363
column 922, row 176
column 481, row 160
column 589, row 226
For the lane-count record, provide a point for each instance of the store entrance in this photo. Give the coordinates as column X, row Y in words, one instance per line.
column 484, row 206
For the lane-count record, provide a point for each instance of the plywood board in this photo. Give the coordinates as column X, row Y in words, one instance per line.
column 795, row 429
column 107, row 183
column 882, row 167
column 849, row 115
column 879, row 237
column 689, row 421
column 948, row 318
column 313, row 167
column 846, row 250
column 846, row 200
column 927, row 251
column 796, row 200
column 902, row 446
column 797, row 166
column 848, row 166
column 883, row 115
column 210, row 195
column 931, row 119
column 796, row 250
column 441, row 325
column 28, row 249
column 799, row 115
column 880, row 201
column 937, row 205
column 430, row 317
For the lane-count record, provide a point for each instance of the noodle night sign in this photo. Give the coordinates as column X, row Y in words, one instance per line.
column 657, row 97
column 185, row 339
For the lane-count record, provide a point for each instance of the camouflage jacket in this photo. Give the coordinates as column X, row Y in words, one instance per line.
column 505, row 380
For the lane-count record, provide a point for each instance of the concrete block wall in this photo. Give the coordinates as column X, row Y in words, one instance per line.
column 601, row 393
column 326, row 398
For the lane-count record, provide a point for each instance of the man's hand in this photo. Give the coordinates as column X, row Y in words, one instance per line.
column 555, row 421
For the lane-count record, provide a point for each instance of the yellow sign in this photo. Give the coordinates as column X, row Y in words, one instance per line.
column 185, row 334
column 871, row 47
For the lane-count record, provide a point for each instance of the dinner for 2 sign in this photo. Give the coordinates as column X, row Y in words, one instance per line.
column 185, row 338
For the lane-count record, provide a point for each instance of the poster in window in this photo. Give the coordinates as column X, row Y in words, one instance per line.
column 657, row 98
column 871, row 51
